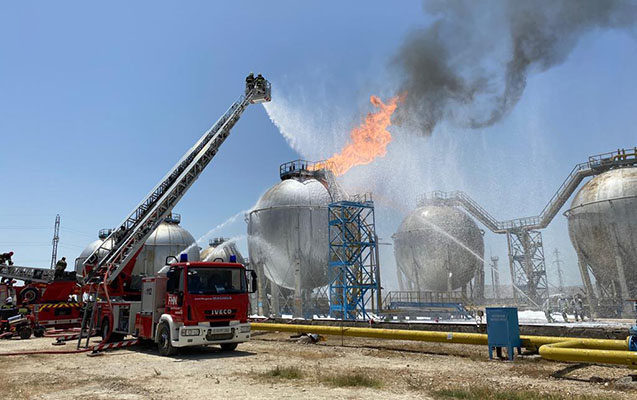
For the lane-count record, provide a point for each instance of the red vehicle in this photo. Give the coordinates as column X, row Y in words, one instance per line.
column 185, row 304
column 13, row 323
column 49, row 300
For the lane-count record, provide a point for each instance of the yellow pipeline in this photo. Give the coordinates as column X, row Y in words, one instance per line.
column 535, row 342
column 556, row 348
column 396, row 334
column 581, row 351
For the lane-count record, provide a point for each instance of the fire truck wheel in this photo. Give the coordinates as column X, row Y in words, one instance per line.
column 25, row 332
column 115, row 337
column 38, row 332
column 30, row 295
column 164, row 344
column 229, row 346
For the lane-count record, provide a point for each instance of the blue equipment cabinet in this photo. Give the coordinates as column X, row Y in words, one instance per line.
column 503, row 330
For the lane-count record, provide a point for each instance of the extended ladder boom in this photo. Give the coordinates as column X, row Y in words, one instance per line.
column 123, row 243
column 27, row 273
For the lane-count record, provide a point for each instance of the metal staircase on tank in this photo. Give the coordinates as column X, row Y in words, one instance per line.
column 315, row 302
column 106, row 263
column 526, row 251
column 353, row 275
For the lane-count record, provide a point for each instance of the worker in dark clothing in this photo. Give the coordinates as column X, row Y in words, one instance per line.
column 7, row 281
column 5, row 258
column 578, row 308
column 119, row 234
column 259, row 81
column 6, row 311
column 249, row 82
column 60, row 266
column 24, row 309
column 8, row 303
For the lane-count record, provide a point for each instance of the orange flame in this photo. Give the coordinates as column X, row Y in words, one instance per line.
column 369, row 140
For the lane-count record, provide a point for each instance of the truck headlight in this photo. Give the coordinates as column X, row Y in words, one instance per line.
column 245, row 329
column 190, row 332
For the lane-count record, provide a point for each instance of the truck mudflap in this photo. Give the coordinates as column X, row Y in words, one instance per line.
column 198, row 335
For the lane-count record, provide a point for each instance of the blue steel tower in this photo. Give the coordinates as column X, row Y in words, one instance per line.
column 353, row 258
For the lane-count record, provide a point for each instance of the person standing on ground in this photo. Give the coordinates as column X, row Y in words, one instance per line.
column 60, row 266
column 562, row 304
column 479, row 316
column 578, row 308
column 7, row 310
column 547, row 311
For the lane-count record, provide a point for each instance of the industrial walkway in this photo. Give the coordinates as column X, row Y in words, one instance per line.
column 594, row 166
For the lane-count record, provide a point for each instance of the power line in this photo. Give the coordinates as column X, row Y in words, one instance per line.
column 78, row 234
column 24, row 227
column 64, row 228
column 71, row 246
column 24, row 244
column 558, row 264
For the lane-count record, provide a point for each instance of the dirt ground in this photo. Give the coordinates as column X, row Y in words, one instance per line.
column 404, row 370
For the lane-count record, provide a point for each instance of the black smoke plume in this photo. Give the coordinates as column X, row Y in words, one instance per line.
column 471, row 64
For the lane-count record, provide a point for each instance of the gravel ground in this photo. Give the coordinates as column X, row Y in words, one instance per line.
column 403, row 369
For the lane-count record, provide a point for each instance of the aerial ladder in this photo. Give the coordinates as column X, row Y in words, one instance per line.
column 107, row 269
column 44, row 293
column 27, row 274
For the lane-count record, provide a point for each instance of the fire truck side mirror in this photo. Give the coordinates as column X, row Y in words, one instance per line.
column 171, row 259
column 254, row 283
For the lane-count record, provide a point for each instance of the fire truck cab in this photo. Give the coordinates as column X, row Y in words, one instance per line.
column 187, row 304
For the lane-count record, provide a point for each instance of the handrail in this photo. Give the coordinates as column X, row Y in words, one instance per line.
column 595, row 165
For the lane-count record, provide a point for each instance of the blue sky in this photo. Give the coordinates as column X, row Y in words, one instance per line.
column 97, row 102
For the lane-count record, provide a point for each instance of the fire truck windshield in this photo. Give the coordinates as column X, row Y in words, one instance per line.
column 216, row 281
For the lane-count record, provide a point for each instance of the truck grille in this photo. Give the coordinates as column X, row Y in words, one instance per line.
column 219, row 323
column 219, row 336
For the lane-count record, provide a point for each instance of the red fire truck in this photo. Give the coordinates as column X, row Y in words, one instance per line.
column 50, row 300
column 184, row 303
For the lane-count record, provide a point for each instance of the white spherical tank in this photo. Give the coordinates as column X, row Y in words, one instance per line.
column 602, row 224
column 88, row 250
column 438, row 248
column 288, row 228
column 212, row 244
column 169, row 239
column 222, row 252
column 203, row 254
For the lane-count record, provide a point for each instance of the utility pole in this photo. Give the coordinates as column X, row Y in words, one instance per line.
column 56, row 239
column 495, row 276
column 558, row 265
